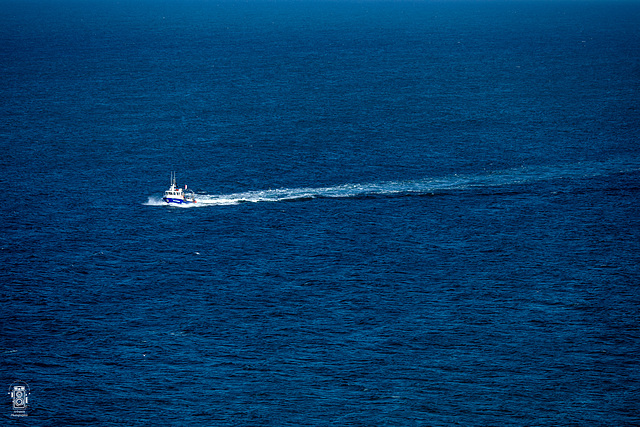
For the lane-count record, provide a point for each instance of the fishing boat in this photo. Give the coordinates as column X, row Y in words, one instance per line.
column 176, row 195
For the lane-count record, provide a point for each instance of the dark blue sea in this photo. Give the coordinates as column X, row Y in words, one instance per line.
column 410, row 213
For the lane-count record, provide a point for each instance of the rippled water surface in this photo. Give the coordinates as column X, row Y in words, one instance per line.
column 409, row 213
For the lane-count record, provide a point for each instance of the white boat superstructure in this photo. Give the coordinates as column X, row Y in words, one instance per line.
column 176, row 195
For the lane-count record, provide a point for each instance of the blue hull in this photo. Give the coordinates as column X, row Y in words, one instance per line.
column 177, row 201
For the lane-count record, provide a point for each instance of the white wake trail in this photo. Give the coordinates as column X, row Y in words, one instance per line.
column 424, row 186
column 389, row 188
